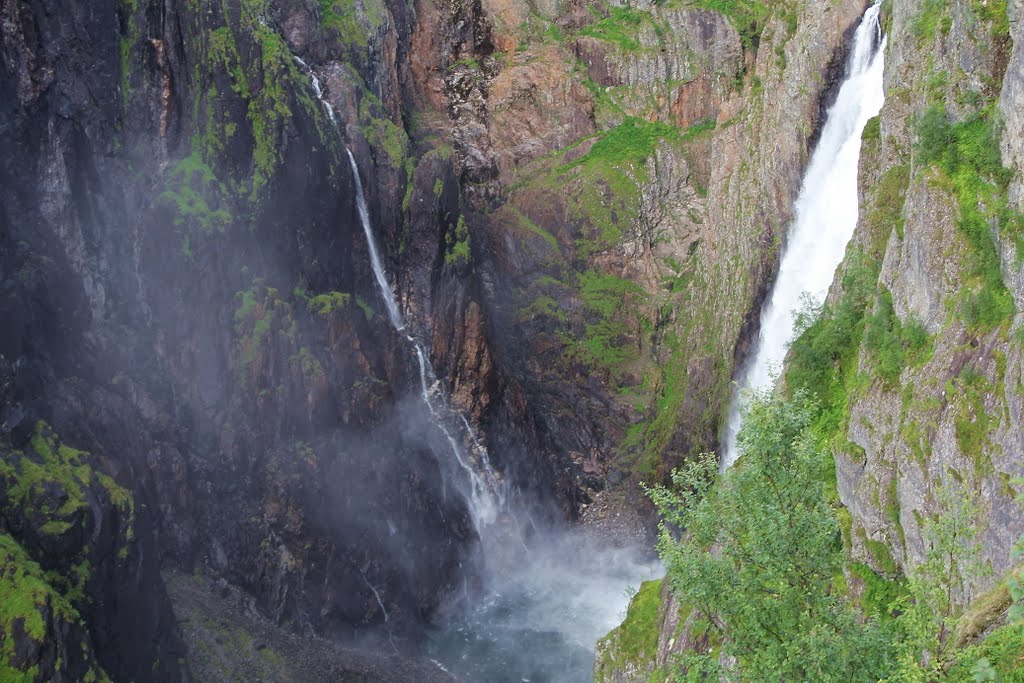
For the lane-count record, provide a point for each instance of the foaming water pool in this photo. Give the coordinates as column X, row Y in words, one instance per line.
column 541, row 619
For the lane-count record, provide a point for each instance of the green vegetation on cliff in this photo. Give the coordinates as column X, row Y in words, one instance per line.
column 351, row 21
column 968, row 157
column 54, row 509
column 891, row 343
column 588, row 205
column 823, row 357
column 620, row 27
column 242, row 65
column 630, row 143
column 762, row 558
column 636, row 639
column 607, row 300
column 191, row 188
column 457, row 246
column 32, row 613
column 605, row 182
column 50, row 485
column 750, row 16
column 769, row 585
column 265, row 319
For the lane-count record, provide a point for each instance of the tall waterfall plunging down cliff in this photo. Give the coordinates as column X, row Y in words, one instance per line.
column 486, row 494
column 546, row 607
column 826, row 215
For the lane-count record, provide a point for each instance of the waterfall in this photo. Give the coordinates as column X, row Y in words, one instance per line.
column 552, row 594
column 378, row 268
column 825, row 217
column 380, row 603
column 486, row 495
column 317, row 90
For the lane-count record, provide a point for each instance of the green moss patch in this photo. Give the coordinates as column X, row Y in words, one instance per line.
column 325, row 304
column 457, row 244
column 31, row 607
column 879, row 595
column 352, row 21
column 610, row 302
column 968, row 157
column 750, row 16
column 621, row 28
column 630, row 143
column 26, row 596
column 634, row 643
column 49, row 487
column 892, row 344
column 933, row 16
column 263, row 315
column 198, row 198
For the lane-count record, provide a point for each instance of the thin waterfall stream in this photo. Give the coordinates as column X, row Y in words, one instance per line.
column 825, row 217
column 486, row 494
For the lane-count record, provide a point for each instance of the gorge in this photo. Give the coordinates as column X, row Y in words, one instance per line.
column 373, row 339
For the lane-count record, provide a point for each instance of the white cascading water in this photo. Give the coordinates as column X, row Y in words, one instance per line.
column 825, row 217
column 486, row 494
column 378, row 267
column 317, row 90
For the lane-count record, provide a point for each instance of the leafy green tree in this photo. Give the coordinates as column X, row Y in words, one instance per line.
column 758, row 552
column 929, row 615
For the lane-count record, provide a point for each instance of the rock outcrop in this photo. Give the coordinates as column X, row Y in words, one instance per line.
column 929, row 435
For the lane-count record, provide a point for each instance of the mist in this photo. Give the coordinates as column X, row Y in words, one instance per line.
column 540, row 616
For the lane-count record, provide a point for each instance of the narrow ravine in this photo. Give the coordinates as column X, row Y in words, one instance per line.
column 546, row 603
column 825, row 217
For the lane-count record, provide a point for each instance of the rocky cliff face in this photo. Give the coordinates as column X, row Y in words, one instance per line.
column 636, row 165
column 187, row 296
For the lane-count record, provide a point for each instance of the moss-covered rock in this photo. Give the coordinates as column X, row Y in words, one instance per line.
column 932, row 401
column 629, row 652
column 42, row 637
column 62, row 521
